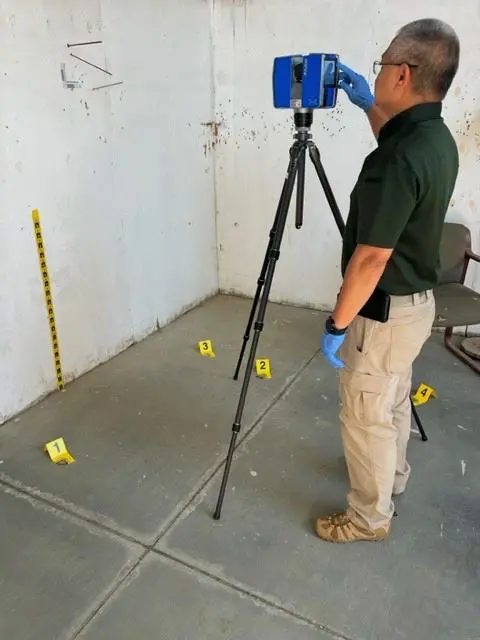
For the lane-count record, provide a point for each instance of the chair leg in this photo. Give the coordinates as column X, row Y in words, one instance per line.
column 419, row 422
column 474, row 364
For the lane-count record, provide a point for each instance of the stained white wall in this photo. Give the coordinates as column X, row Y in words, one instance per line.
column 255, row 138
column 122, row 177
column 129, row 177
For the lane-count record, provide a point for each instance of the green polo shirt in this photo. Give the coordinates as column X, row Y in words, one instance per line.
column 401, row 198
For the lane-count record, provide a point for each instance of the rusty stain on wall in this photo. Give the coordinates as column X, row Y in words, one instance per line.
column 468, row 133
column 214, row 127
column 256, row 127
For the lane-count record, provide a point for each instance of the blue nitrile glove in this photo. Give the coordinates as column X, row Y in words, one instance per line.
column 331, row 343
column 356, row 87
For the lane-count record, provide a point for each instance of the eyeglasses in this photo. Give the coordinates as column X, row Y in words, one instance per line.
column 378, row 64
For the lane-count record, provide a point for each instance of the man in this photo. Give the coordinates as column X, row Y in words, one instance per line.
column 390, row 247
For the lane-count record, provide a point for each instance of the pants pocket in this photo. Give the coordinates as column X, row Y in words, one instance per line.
column 364, row 334
column 367, row 347
column 366, row 399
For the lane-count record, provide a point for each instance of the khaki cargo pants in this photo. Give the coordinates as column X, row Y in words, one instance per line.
column 375, row 410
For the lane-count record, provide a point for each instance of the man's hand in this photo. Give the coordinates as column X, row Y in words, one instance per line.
column 330, row 344
column 356, row 87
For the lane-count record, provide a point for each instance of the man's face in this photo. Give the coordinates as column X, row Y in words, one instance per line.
column 392, row 83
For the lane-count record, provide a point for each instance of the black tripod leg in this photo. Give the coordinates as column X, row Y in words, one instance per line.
column 300, row 190
column 322, row 176
column 270, row 270
column 418, row 421
column 261, row 279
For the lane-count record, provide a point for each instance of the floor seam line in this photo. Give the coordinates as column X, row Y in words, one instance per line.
column 213, row 471
column 249, row 433
column 185, row 504
column 261, row 598
column 107, row 597
column 71, row 513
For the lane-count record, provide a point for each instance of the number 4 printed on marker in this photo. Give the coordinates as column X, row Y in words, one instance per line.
column 423, row 394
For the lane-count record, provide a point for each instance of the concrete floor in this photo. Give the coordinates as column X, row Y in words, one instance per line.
column 121, row 545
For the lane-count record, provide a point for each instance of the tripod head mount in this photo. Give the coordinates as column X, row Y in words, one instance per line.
column 303, row 120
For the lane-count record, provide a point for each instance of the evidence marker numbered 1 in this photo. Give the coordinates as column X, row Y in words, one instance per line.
column 263, row 368
column 58, row 452
column 206, row 348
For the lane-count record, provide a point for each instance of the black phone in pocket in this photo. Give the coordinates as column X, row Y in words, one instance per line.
column 377, row 306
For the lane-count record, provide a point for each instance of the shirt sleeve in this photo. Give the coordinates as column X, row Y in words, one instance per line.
column 386, row 200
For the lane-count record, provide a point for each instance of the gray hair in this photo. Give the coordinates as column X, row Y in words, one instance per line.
column 432, row 45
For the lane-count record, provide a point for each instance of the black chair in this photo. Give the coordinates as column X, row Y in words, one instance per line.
column 456, row 304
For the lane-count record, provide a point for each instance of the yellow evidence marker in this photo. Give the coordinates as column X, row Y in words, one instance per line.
column 206, row 349
column 423, row 394
column 58, row 452
column 263, row 368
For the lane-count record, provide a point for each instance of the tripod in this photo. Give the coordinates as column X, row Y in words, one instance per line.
column 303, row 119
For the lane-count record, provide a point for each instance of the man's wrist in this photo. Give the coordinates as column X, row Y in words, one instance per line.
column 367, row 103
column 332, row 328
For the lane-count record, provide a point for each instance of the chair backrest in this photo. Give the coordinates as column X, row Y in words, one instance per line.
column 456, row 239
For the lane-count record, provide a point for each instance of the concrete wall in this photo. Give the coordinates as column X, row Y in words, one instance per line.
column 122, row 178
column 254, row 138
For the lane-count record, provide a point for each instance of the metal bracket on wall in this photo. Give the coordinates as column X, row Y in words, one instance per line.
column 68, row 84
column 73, row 84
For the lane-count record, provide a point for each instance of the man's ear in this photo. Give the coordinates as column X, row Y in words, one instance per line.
column 403, row 73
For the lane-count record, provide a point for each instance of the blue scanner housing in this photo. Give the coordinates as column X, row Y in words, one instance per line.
column 305, row 82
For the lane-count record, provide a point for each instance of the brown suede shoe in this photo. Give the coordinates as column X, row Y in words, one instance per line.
column 339, row 528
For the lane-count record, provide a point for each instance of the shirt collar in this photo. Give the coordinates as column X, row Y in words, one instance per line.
column 417, row 113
